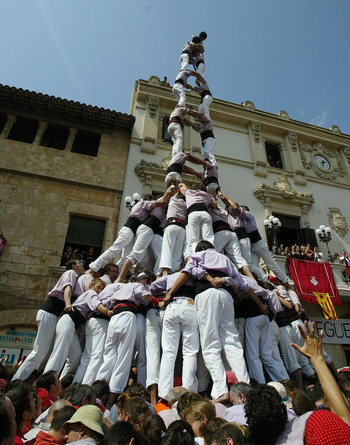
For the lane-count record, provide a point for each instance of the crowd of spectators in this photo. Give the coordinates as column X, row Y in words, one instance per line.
column 50, row 411
column 309, row 253
column 86, row 256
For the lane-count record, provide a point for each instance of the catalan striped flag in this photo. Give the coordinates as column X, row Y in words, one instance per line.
column 324, row 300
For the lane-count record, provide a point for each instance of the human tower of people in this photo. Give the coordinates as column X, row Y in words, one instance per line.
column 210, row 293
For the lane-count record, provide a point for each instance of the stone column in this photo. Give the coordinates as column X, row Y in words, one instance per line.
column 70, row 139
column 11, row 119
column 40, row 132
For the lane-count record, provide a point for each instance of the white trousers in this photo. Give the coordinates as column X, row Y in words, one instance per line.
column 42, row 345
column 207, row 149
column 154, row 323
column 199, row 227
column 172, row 247
column 156, row 248
column 275, row 338
column 179, row 318
column 215, row 315
column 228, row 241
column 144, row 236
column 92, row 358
column 118, row 351
column 259, row 350
column 177, row 136
column 260, row 250
column 205, row 104
column 184, row 61
column 67, row 345
column 288, row 353
column 180, row 94
column 140, row 348
column 125, row 236
column 298, row 339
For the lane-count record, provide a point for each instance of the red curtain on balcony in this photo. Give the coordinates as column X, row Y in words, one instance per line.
column 313, row 276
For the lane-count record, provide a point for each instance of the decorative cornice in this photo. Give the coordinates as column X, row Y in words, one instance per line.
column 282, row 189
column 14, row 100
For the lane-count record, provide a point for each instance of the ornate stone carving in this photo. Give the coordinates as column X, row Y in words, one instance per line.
column 293, row 140
column 282, row 183
column 307, row 153
column 148, row 145
column 282, row 189
column 154, row 80
column 153, row 105
column 337, row 221
column 248, row 105
column 335, row 129
column 299, row 177
column 255, row 127
column 346, row 151
column 260, row 169
column 144, row 177
column 165, row 162
column 283, row 115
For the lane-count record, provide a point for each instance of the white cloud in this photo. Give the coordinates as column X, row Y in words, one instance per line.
column 321, row 119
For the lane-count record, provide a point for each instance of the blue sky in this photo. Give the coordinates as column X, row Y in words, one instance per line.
column 288, row 55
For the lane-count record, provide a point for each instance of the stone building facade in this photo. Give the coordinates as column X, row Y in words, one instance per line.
column 272, row 163
column 61, row 174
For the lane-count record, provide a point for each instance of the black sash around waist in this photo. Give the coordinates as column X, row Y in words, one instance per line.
column 248, row 309
column 282, row 319
column 199, row 62
column 53, row 306
column 176, row 167
column 207, row 134
column 133, row 224
column 254, row 236
column 152, row 222
column 220, row 225
column 185, row 51
column 179, row 81
column 210, row 180
column 124, row 306
column 241, row 233
column 142, row 309
column 203, row 285
column 292, row 314
column 205, row 93
column 77, row 318
column 100, row 316
column 159, row 231
column 197, row 207
column 176, row 222
column 185, row 291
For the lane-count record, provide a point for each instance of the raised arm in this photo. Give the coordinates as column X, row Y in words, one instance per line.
column 165, row 198
column 228, row 201
column 312, row 349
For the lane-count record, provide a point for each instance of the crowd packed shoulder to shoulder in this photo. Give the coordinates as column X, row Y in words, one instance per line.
column 308, row 253
column 54, row 412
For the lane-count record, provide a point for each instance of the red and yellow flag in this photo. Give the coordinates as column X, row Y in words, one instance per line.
column 324, row 300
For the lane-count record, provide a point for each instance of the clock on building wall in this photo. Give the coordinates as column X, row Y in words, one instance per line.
column 322, row 163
